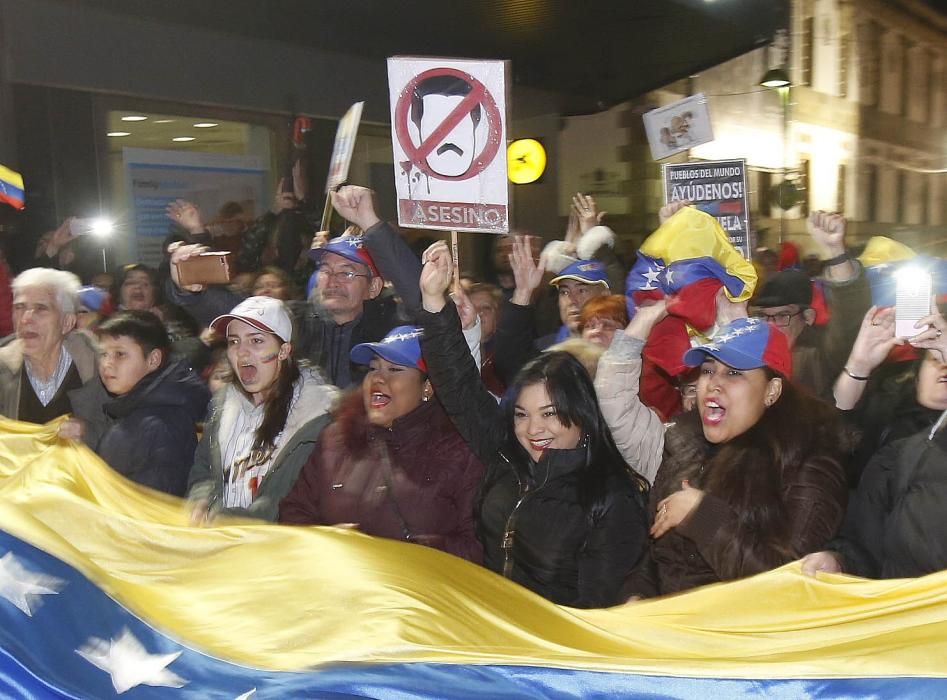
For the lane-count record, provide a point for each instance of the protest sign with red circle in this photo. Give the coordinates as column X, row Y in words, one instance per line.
column 448, row 125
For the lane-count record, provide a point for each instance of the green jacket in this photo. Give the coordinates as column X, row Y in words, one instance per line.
column 308, row 416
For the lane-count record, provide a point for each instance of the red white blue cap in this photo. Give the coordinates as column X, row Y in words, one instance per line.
column 93, row 298
column 746, row 343
column 349, row 247
column 263, row 313
column 402, row 346
column 587, row 271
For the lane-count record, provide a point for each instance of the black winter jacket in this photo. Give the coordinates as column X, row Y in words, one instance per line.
column 533, row 528
column 896, row 525
column 149, row 434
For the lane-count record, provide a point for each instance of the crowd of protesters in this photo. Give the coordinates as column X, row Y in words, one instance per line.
column 524, row 421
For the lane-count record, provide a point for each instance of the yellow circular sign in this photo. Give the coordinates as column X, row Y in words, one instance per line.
column 526, row 161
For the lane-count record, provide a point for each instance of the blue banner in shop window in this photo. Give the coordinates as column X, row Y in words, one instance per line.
column 106, row 591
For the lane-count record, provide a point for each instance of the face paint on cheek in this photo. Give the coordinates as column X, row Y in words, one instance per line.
column 270, row 358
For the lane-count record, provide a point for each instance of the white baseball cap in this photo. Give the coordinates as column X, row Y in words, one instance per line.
column 265, row 313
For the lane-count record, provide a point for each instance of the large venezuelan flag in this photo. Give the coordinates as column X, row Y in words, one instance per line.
column 11, row 187
column 106, row 590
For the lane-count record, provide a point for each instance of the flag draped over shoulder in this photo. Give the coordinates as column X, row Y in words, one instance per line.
column 105, row 589
column 11, row 187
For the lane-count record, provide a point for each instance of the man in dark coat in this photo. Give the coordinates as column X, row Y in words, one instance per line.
column 818, row 354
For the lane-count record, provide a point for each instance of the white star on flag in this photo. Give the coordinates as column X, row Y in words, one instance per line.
column 246, row 695
column 401, row 336
column 652, row 276
column 23, row 587
column 353, row 242
column 669, row 276
column 129, row 665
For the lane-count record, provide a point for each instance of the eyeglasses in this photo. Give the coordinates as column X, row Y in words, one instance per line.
column 344, row 275
column 779, row 320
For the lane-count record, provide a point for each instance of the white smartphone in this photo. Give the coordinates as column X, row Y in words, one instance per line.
column 912, row 303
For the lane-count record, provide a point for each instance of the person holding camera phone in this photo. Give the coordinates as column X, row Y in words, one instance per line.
column 349, row 305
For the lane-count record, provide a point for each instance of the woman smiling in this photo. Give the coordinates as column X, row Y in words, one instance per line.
column 559, row 511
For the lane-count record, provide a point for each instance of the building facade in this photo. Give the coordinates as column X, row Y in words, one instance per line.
column 861, row 130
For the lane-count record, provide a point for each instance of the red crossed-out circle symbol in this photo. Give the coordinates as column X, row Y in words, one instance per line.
column 478, row 95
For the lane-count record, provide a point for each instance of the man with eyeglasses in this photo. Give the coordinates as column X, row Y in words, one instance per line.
column 785, row 301
column 349, row 304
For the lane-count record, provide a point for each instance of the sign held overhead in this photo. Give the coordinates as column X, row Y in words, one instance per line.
column 344, row 146
column 717, row 188
column 678, row 126
column 448, row 132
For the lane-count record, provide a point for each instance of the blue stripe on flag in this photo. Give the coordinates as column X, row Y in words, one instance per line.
column 39, row 659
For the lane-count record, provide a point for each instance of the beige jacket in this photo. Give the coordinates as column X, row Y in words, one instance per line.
column 637, row 430
column 80, row 347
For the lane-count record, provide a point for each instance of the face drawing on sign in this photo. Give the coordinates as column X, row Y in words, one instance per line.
column 432, row 100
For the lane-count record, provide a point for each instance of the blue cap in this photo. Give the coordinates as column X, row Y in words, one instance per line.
column 402, row 346
column 746, row 343
column 92, row 298
column 587, row 271
column 349, row 247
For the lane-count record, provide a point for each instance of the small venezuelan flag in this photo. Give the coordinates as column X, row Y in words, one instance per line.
column 11, row 187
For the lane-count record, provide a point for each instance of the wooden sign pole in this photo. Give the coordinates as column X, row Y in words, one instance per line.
column 326, row 213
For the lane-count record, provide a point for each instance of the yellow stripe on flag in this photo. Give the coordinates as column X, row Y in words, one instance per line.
column 289, row 598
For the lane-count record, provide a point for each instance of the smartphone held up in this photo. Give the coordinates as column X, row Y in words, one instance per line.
column 209, row 267
column 912, row 301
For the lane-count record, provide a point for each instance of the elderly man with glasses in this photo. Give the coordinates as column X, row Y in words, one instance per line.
column 785, row 301
column 45, row 358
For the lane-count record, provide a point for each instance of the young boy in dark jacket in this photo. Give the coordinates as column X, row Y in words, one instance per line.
column 140, row 414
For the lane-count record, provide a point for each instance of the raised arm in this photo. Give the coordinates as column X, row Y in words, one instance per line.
column 514, row 336
column 637, row 430
column 848, row 292
column 451, row 368
column 203, row 303
column 872, row 345
column 395, row 260
column 187, row 215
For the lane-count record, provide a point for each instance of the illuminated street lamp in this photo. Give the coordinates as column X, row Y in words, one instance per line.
column 775, row 78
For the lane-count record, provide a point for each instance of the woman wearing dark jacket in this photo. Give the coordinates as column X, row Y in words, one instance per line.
column 895, row 526
column 559, row 511
column 391, row 464
column 750, row 480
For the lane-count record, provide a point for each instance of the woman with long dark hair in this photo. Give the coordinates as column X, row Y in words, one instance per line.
column 753, row 478
column 261, row 427
column 559, row 511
